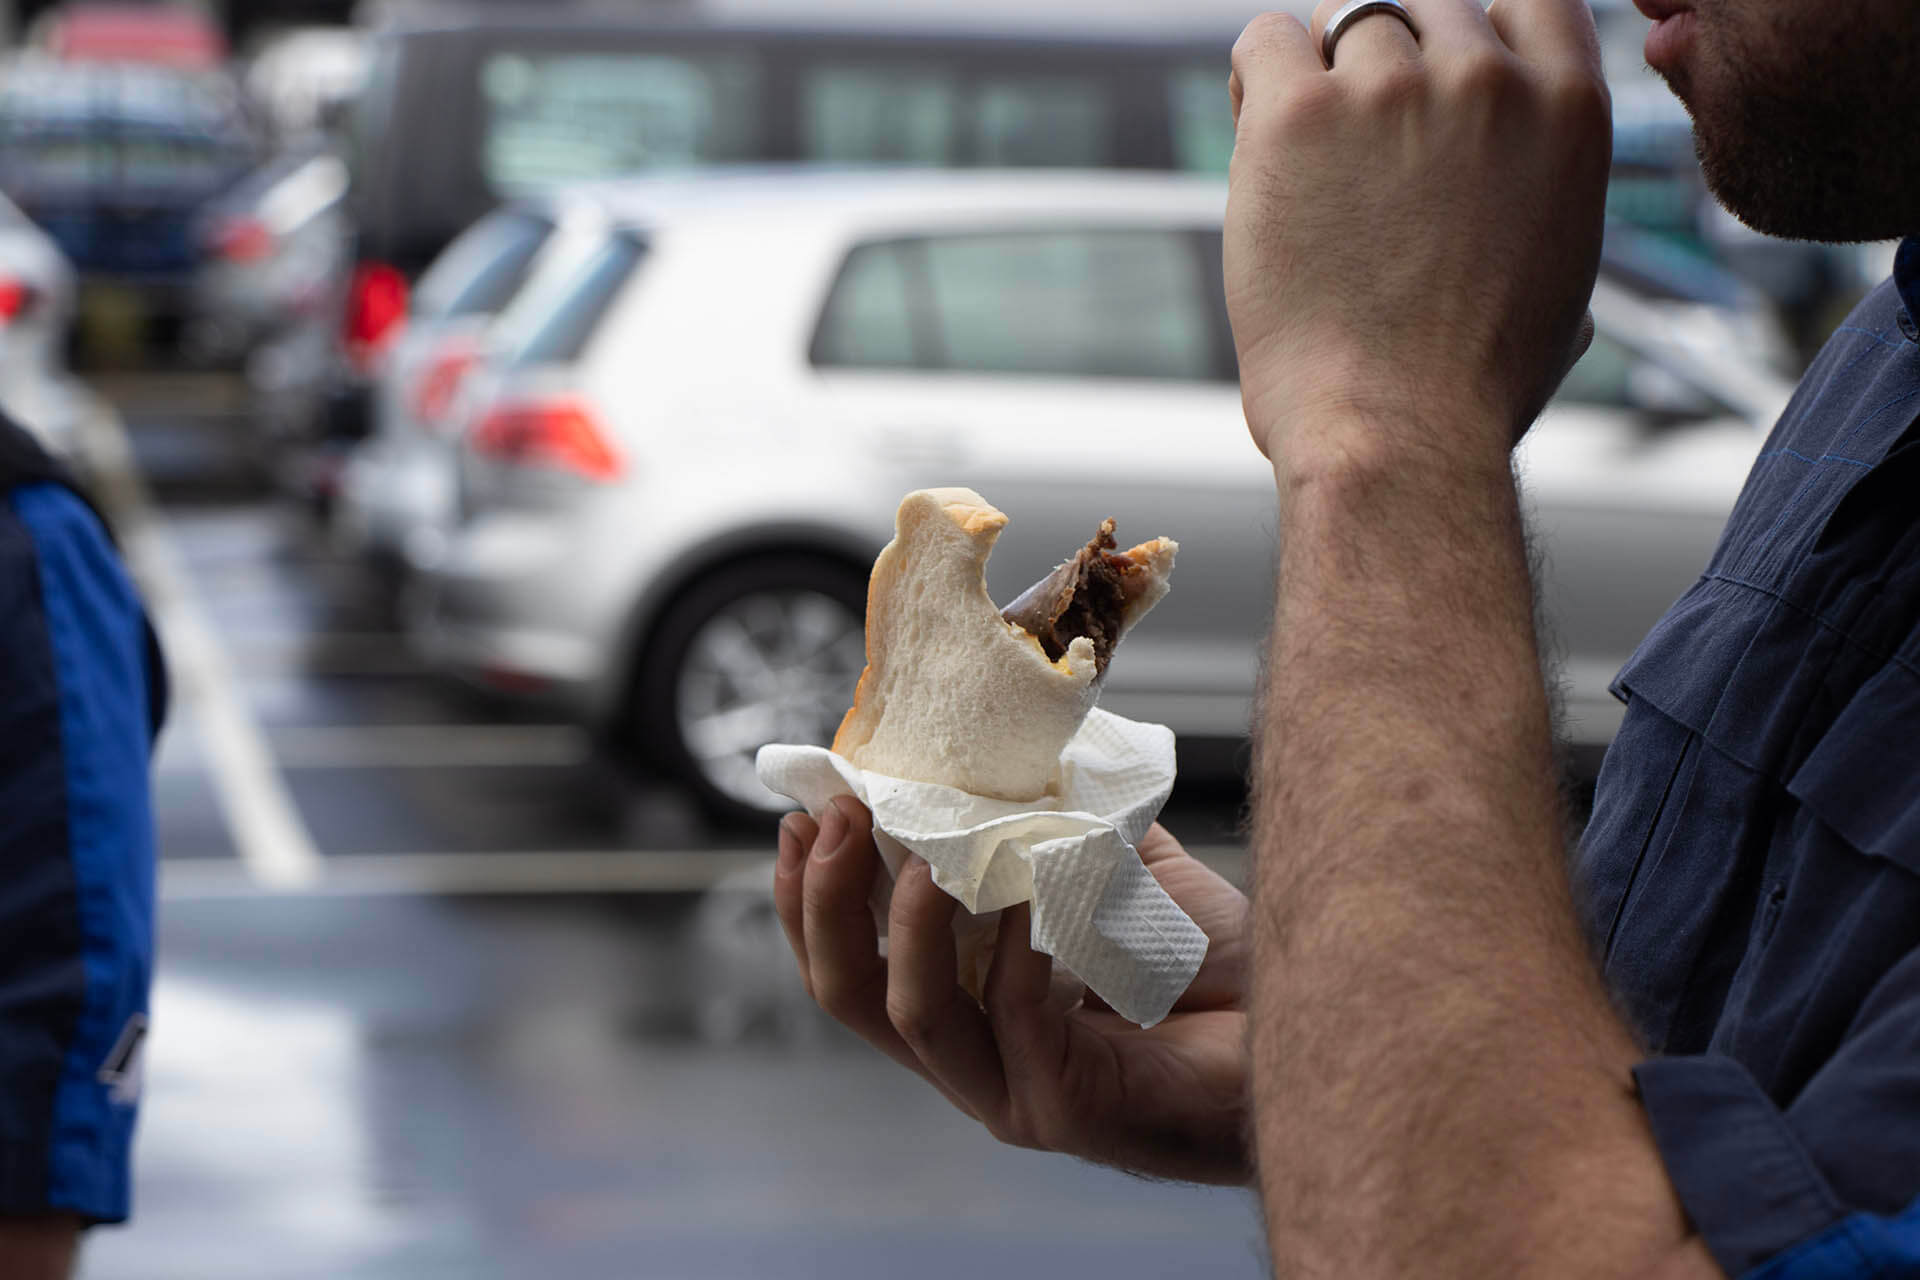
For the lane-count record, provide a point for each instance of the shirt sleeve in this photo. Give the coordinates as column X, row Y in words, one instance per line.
column 1768, row 1187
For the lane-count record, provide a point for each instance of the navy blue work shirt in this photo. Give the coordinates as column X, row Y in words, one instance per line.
column 1752, row 869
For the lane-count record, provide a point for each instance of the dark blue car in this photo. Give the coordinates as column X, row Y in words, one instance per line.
column 116, row 162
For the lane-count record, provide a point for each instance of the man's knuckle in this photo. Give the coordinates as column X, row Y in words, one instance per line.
column 1003, row 1128
column 831, row 996
column 1485, row 75
column 838, row 995
column 910, row 1018
column 1264, row 30
column 1045, row 1129
column 1401, row 86
column 818, row 900
column 1580, row 100
column 1306, row 108
column 1020, row 1127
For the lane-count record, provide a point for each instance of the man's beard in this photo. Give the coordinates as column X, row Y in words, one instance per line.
column 1824, row 147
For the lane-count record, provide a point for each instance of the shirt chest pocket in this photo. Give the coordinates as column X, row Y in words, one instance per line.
column 1676, row 869
column 1842, row 904
column 1733, row 902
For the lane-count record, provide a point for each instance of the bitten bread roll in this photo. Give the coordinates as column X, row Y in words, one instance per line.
column 954, row 692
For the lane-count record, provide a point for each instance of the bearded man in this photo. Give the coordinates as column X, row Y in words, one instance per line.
column 1404, row 1039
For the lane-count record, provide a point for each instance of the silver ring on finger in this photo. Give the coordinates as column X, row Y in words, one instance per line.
column 1353, row 11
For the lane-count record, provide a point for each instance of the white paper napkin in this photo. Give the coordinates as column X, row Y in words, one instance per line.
column 1096, row 907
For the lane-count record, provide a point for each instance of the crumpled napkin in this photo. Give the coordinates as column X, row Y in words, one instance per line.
column 1096, row 908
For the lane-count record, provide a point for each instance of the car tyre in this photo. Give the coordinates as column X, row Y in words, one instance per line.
column 763, row 651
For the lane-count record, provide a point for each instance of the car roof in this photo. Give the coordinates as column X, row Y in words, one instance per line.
column 865, row 196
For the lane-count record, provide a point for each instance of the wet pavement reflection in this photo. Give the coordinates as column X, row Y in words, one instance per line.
column 409, row 1087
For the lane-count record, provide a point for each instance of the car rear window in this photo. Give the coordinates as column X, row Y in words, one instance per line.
column 562, row 333
column 482, row 269
column 550, row 117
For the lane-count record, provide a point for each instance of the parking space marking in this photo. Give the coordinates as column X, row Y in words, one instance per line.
column 405, row 746
column 383, row 875
column 319, row 653
column 388, row 875
column 275, row 847
column 449, row 746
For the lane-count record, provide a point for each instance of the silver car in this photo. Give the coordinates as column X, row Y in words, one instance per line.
column 676, row 475
column 272, row 249
column 398, row 489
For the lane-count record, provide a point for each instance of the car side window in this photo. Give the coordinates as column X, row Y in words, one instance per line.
column 550, row 117
column 923, row 114
column 1202, row 120
column 878, row 115
column 868, row 322
column 1084, row 303
column 1041, row 120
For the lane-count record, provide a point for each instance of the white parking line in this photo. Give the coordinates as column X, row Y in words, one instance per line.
column 387, row 875
column 411, row 746
column 390, row 875
column 431, row 746
column 274, row 844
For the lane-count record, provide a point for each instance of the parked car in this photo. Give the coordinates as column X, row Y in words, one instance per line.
column 399, row 484
column 273, row 248
column 676, row 476
column 36, row 311
column 466, row 108
column 166, row 35
column 271, row 251
column 116, row 162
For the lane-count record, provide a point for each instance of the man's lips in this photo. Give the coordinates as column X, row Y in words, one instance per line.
column 1659, row 10
column 1670, row 38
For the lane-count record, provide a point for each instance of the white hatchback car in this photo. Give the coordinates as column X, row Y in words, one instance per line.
column 679, row 467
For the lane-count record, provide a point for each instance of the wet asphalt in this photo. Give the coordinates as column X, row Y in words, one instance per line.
column 443, row 993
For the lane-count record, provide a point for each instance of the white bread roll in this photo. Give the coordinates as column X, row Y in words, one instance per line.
column 952, row 693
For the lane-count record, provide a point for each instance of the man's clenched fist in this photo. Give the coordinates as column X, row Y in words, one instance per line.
column 1412, row 235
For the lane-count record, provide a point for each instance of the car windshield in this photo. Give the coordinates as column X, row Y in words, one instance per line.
column 561, row 332
column 482, row 269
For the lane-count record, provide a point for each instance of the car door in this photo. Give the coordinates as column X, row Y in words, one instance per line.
column 1070, row 373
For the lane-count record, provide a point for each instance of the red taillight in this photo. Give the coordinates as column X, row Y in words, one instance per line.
column 15, row 297
column 242, row 240
column 376, row 308
column 433, row 396
column 561, row 434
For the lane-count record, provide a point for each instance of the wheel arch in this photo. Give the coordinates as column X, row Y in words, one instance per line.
column 639, row 632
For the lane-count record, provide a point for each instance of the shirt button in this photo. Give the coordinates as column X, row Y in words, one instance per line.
column 1908, row 327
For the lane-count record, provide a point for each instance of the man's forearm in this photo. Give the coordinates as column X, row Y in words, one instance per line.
column 1441, row 1085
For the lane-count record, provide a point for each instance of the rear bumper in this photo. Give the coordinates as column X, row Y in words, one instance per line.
column 509, row 606
column 530, row 664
